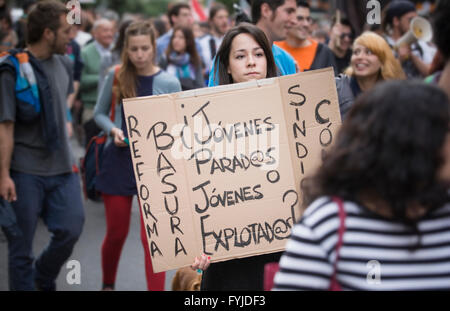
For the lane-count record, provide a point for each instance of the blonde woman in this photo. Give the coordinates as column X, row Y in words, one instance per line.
column 372, row 61
column 138, row 76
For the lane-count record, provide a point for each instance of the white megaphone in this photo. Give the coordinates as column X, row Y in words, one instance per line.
column 420, row 29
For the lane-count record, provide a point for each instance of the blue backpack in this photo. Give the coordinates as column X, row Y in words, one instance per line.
column 34, row 99
column 26, row 89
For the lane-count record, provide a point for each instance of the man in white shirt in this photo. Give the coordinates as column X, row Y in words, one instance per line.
column 219, row 23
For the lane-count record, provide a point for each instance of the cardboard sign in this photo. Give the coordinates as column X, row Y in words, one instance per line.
column 218, row 170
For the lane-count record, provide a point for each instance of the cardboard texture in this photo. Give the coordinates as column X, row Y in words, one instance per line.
column 218, row 170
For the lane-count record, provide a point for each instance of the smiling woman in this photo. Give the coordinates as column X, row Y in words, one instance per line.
column 372, row 61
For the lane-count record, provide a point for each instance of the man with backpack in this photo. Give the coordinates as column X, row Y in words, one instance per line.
column 35, row 155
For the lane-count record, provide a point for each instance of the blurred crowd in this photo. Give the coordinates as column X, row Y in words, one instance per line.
column 186, row 47
column 128, row 55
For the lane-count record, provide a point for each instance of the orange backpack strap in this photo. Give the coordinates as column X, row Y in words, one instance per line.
column 22, row 57
column 112, row 116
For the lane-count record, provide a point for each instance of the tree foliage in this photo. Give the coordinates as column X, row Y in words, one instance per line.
column 150, row 7
column 229, row 4
column 146, row 7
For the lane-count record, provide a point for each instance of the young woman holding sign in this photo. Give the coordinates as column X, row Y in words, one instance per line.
column 245, row 55
column 138, row 76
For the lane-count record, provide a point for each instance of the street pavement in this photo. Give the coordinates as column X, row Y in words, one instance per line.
column 131, row 271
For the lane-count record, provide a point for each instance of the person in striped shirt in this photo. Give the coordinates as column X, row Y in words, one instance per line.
column 390, row 166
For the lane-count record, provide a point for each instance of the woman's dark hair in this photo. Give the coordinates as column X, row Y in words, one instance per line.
column 389, row 148
column 159, row 26
column 118, row 47
column 191, row 48
column 223, row 54
column 441, row 28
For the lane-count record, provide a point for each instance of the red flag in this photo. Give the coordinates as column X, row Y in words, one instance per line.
column 199, row 12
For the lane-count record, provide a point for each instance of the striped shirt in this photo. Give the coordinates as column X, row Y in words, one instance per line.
column 375, row 255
